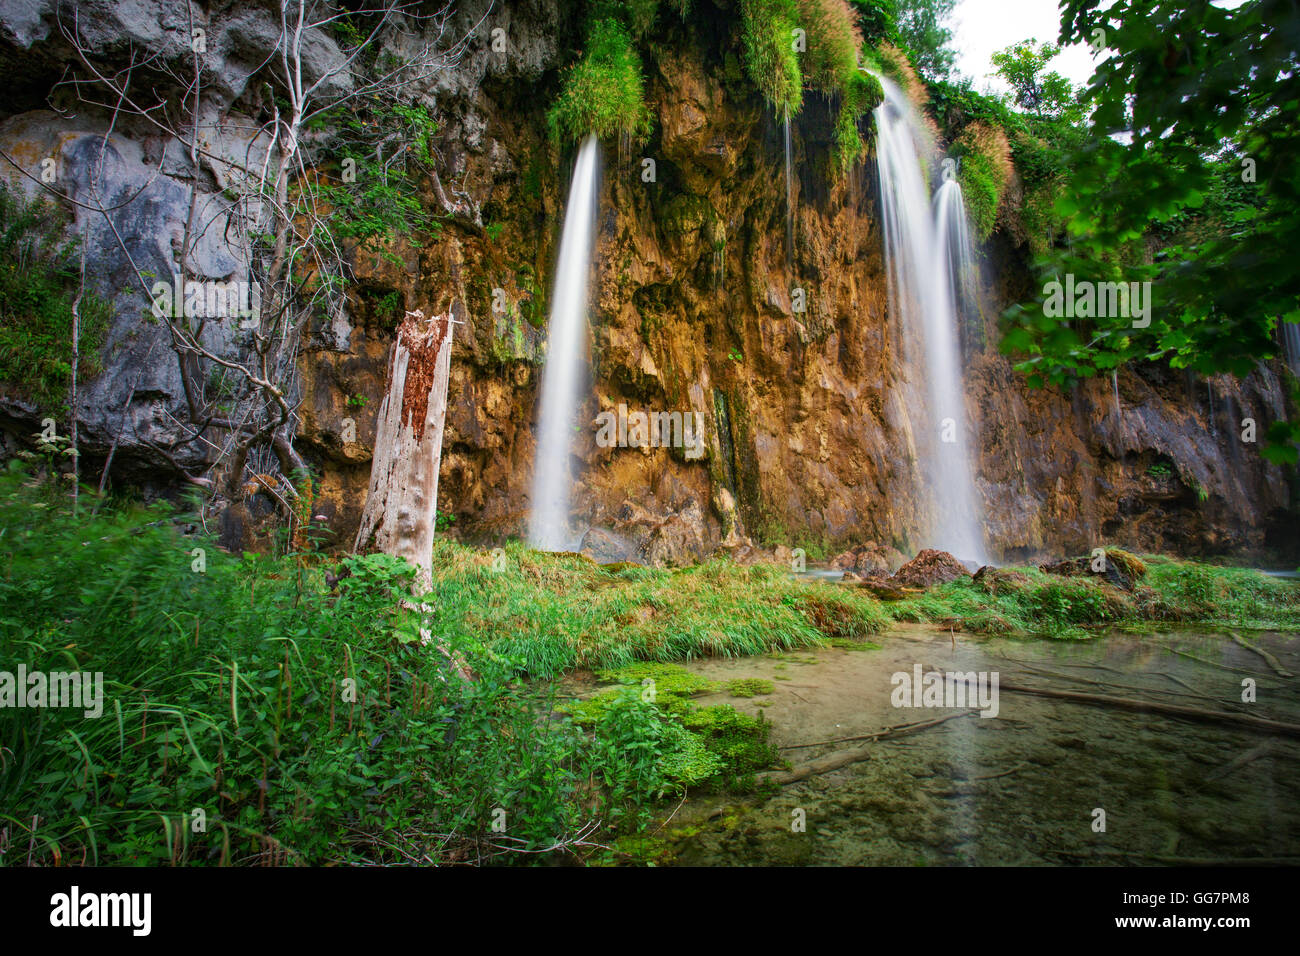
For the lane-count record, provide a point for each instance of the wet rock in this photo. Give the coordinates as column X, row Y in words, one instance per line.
column 865, row 561
column 929, row 568
column 606, row 547
column 993, row 580
column 677, row 541
column 1118, row 567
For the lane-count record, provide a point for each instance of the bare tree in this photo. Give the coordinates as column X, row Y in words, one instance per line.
column 402, row 506
column 271, row 205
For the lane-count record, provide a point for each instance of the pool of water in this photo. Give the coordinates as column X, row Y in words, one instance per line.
column 1029, row 785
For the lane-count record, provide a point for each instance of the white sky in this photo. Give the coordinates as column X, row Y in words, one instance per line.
column 981, row 28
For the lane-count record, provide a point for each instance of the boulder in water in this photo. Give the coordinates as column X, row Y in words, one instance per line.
column 865, row 561
column 929, row 568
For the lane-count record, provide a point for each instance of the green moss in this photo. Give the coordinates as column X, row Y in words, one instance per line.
column 1132, row 566
column 715, row 745
column 604, row 92
column 749, row 687
column 845, row 644
column 739, row 740
column 668, row 678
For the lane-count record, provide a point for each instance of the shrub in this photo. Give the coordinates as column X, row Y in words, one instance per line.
column 604, row 92
column 984, row 174
column 39, row 278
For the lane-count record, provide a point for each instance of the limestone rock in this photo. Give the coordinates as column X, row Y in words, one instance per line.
column 928, row 568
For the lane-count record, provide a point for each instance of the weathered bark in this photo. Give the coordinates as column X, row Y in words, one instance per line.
column 402, row 504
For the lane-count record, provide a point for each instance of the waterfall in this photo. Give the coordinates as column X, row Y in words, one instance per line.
column 565, row 358
column 954, row 237
column 927, row 249
column 789, row 200
column 1291, row 343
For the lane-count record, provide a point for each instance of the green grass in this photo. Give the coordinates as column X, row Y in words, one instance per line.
column 310, row 726
column 551, row 613
column 1171, row 592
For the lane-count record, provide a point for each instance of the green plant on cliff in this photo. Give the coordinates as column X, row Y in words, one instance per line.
column 862, row 94
column 788, row 46
column 984, row 173
column 768, row 52
column 604, row 92
column 39, row 280
column 830, row 63
column 384, row 149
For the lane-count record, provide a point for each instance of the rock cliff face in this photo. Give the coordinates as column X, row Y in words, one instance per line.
column 696, row 308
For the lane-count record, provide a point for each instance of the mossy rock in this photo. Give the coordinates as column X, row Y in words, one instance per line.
column 749, row 687
column 1131, row 564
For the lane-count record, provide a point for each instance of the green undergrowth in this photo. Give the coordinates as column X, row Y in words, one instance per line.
column 39, row 286
column 1024, row 601
column 683, row 744
column 550, row 613
column 253, row 712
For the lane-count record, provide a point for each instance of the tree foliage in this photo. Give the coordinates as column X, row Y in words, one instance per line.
column 1192, row 101
column 1037, row 89
column 922, row 31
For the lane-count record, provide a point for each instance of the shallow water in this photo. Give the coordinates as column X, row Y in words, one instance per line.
column 1021, row 787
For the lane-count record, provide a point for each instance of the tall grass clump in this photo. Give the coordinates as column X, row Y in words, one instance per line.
column 831, row 60
column 984, row 174
column 768, row 54
column 553, row 612
column 604, row 92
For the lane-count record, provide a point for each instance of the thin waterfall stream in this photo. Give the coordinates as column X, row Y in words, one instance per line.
column 565, row 358
column 927, row 250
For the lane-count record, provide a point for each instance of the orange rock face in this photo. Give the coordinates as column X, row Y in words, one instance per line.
column 808, row 435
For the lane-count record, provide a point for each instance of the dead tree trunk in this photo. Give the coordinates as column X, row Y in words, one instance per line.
column 402, row 505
